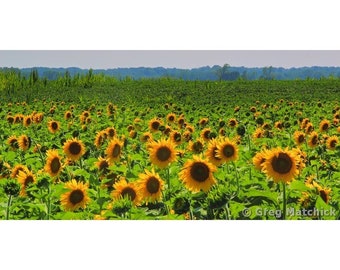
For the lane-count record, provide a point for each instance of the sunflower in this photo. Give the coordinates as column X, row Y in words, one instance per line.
column 205, row 134
column 38, row 118
column 301, row 158
column 190, row 128
column 324, row 125
column 133, row 134
column 154, row 124
column 74, row 149
column 103, row 165
column 17, row 168
column 111, row 109
column 305, row 200
column 150, row 185
column 146, row 137
column 309, row 128
column 162, row 152
column 232, row 122
column 25, row 178
column 68, row 115
column 53, row 126
column 259, row 159
column 13, row 143
column 27, row 121
column 222, row 132
column 299, row 137
column 227, row 150
column 187, row 136
column 76, row 197
column 53, row 163
column 197, row 146
column 258, row 133
column 203, row 121
column 332, row 142
column 181, row 121
column 167, row 130
column 171, row 117
column 114, row 150
column 278, row 125
column 313, row 139
column 197, row 174
column 211, row 153
column 176, row 137
column 111, row 132
column 24, row 142
column 281, row 165
column 10, row 119
column 124, row 189
column 18, row 118
column 324, row 194
column 99, row 139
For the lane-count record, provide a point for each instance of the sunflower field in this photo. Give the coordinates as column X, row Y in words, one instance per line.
column 97, row 147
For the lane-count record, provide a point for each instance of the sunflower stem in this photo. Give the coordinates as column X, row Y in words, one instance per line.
column 284, row 200
column 41, row 156
column 168, row 182
column 8, row 207
column 248, row 137
column 228, row 211
column 49, row 203
column 237, row 177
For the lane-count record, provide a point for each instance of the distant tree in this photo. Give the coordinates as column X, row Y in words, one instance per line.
column 222, row 71
column 267, row 73
column 34, row 76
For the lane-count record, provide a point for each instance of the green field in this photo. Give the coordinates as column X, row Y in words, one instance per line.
column 95, row 147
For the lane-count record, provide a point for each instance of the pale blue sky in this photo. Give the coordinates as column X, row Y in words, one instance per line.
column 100, row 59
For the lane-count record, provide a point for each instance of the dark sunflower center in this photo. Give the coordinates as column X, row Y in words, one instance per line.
column 228, row 150
column 111, row 132
column 28, row 180
column 10, row 120
column 301, row 138
column 25, row 141
column 282, row 164
column 28, row 121
column 152, row 185
column 198, row 147
column 171, row 118
column 324, row 196
column 14, row 143
column 163, row 153
column 54, row 125
column 332, row 143
column 206, row 134
column 75, row 148
column 130, row 192
column 177, row 137
column 199, row 172
column 324, row 126
column 116, row 150
column 314, row 140
column 232, row 123
column 55, row 165
column 103, row 166
column 76, row 196
column 155, row 125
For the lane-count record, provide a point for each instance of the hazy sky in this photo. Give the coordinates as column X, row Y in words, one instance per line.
column 166, row 58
